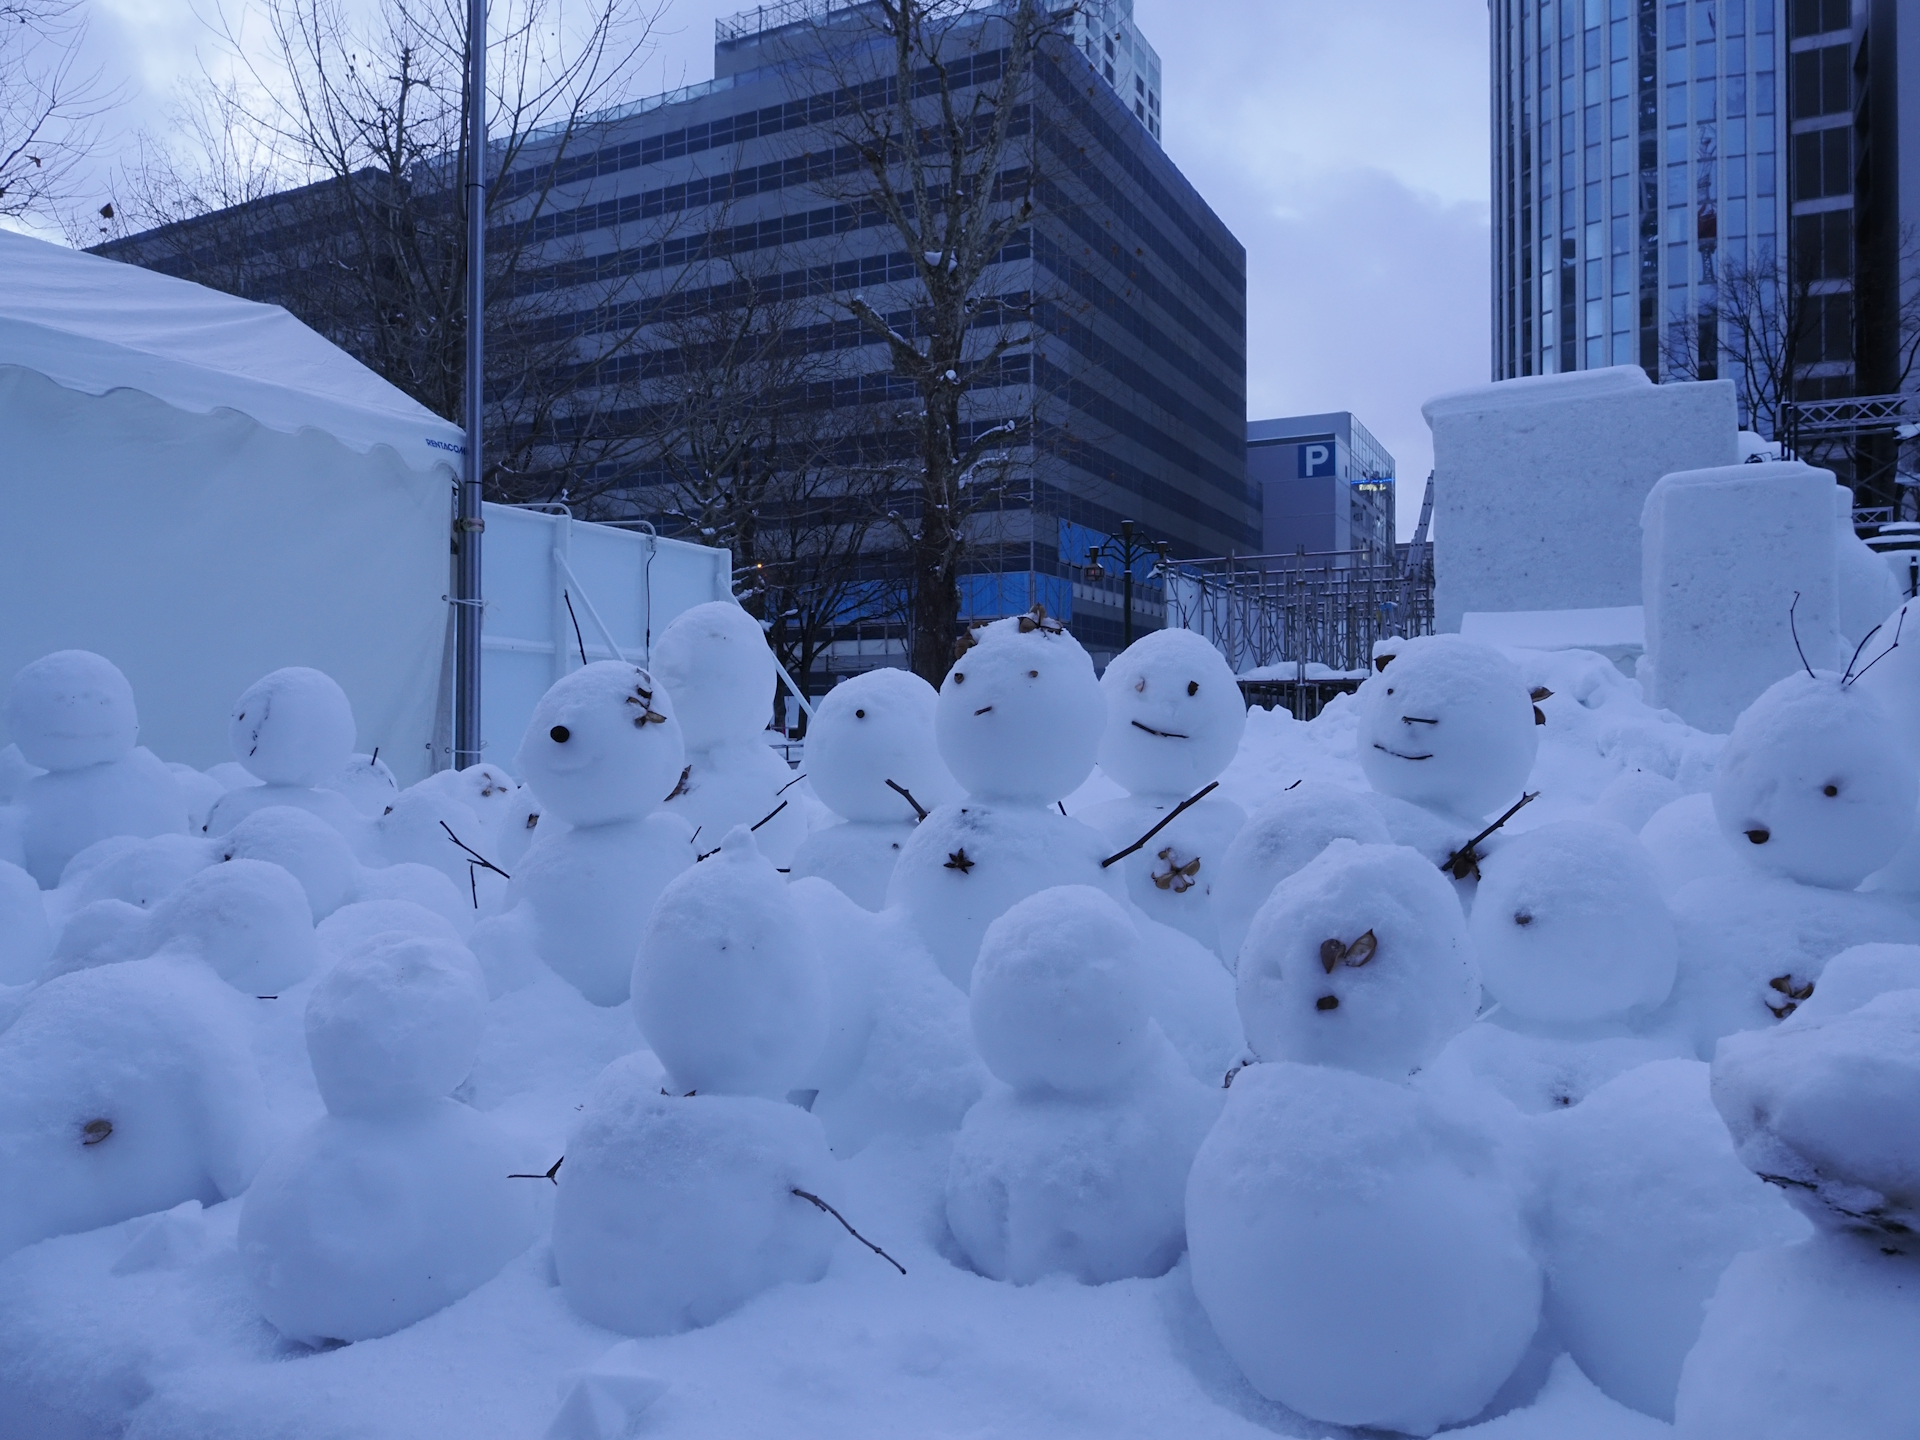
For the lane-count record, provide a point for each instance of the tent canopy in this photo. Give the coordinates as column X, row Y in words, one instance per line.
column 96, row 325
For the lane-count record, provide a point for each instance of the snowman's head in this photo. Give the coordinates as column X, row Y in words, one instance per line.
column 1059, row 1000
column 871, row 729
column 1174, row 714
column 395, row 1024
column 603, row 745
column 1020, row 713
column 1815, row 784
column 71, row 709
column 1448, row 725
column 293, row 727
column 714, row 661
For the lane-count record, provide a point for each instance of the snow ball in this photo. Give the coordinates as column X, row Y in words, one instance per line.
column 248, row 919
column 71, row 709
column 603, row 745
column 292, row 727
column 1059, row 994
column 1829, row 1110
column 69, row 810
column 1358, row 1255
column 1569, row 925
column 1815, row 785
column 26, row 939
column 1449, row 726
column 1633, row 797
column 871, row 729
column 354, row 927
column 674, row 1210
column 1683, row 841
column 1360, row 959
column 1174, row 714
column 104, row 932
column 1807, row 1342
column 419, row 826
column 141, row 872
column 1277, row 840
column 1644, row 1204
column 729, row 990
column 1020, row 714
column 302, row 844
column 395, row 1025
column 362, row 1225
column 1855, row 976
column 124, row 1089
column 366, row 782
column 714, row 661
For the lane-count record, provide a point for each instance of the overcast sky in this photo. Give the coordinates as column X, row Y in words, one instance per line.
column 1345, row 144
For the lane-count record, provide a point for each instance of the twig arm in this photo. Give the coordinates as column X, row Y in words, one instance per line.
column 1165, row 820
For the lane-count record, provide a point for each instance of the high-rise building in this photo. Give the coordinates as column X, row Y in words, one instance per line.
column 1636, row 145
column 1325, row 485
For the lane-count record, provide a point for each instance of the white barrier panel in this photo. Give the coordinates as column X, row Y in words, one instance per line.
column 625, row 586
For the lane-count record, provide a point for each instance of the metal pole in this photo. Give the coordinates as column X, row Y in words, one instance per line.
column 1126, row 585
column 469, row 524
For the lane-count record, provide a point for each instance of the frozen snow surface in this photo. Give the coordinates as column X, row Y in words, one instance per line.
column 610, row 1093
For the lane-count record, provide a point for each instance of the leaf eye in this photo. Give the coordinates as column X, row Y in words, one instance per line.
column 1193, row 687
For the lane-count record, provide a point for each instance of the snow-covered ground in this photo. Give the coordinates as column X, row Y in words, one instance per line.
column 1548, row 1202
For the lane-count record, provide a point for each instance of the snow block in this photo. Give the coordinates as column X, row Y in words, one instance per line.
column 1725, row 550
column 1538, row 483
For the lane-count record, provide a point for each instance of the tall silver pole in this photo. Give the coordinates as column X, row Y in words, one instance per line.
column 469, row 524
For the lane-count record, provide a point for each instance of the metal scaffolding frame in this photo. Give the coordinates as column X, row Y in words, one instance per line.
column 1862, row 439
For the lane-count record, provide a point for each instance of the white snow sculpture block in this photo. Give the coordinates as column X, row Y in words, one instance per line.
column 1538, row 483
column 1725, row 551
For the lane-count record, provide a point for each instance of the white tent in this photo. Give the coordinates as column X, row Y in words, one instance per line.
column 202, row 489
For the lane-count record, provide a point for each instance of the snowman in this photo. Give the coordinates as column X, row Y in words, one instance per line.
column 1357, row 1244
column 872, row 760
column 326, row 867
column 292, row 731
column 1018, row 720
column 1077, row 1160
column 602, row 751
column 365, row 780
column 125, row 1089
column 505, row 809
column 1814, row 792
column 715, row 664
column 686, row 1193
column 398, row 1200
column 72, row 715
column 1817, row 1338
column 1174, row 722
column 1447, row 736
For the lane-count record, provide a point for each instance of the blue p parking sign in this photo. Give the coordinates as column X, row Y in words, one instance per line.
column 1316, row 459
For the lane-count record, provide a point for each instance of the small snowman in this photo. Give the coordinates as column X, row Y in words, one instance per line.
column 1817, row 1339
column 1277, row 840
column 398, row 1200
column 681, row 1201
column 602, row 751
column 1174, row 722
column 715, row 664
column 125, row 1089
column 1077, row 1160
column 366, row 780
column 1814, row 792
column 1018, row 721
column 1447, row 735
column 72, row 715
column 292, row 731
column 872, row 760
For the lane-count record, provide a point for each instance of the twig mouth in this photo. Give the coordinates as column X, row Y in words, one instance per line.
column 1417, row 720
column 1397, row 755
column 1163, row 734
column 983, row 709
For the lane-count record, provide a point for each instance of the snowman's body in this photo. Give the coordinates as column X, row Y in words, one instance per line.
column 72, row 715
column 872, row 729
column 602, row 750
column 715, row 664
column 1076, row 1161
column 1814, row 793
column 397, row 1201
column 1174, row 721
column 293, row 731
column 677, row 1207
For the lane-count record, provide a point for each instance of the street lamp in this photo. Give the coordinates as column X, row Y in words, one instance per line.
column 1126, row 552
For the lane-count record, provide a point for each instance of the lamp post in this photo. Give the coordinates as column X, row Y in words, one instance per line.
column 469, row 519
column 1126, row 552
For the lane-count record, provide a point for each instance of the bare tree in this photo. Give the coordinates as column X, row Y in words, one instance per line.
column 332, row 180
column 51, row 108
column 944, row 156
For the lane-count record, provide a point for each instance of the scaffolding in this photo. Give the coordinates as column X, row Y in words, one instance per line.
column 1866, row 440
